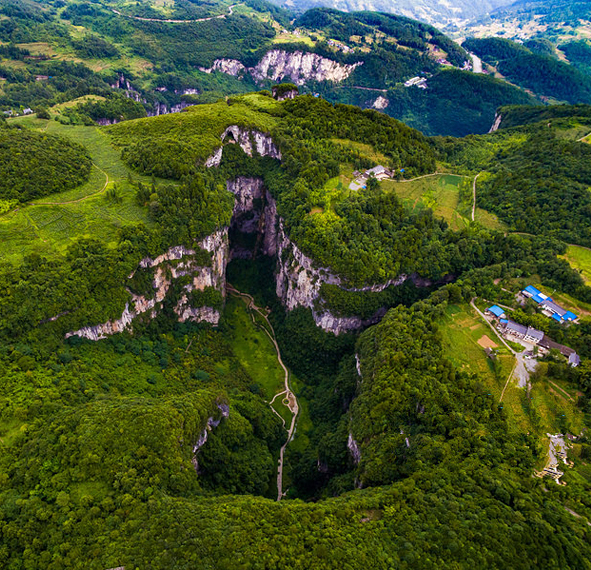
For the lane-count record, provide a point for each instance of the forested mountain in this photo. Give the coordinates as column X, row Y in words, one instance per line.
column 553, row 23
column 147, row 406
column 163, row 58
column 540, row 73
column 248, row 263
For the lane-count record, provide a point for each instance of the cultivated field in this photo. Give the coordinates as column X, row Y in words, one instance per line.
column 580, row 258
column 442, row 193
column 49, row 225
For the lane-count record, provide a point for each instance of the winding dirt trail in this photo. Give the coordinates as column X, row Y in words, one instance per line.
column 289, row 398
column 93, row 195
column 221, row 16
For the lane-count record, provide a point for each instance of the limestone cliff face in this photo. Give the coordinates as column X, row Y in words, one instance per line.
column 354, row 450
column 298, row 66
column 247, row 213
column 212, row 423
column 248, row 139
column 497, row 123
column 224, row 65
column 175, row 263
column 299, row 281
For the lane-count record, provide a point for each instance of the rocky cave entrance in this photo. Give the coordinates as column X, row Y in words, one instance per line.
column 252, row 227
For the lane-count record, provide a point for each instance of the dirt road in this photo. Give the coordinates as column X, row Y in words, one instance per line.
column 230, row 12
column 289, row 398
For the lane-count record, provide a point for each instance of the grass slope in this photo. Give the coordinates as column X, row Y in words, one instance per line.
column 580, row 258
column 442, row 193
column 48, row 225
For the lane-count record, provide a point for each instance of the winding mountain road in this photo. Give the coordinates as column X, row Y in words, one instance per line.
column 289, row 398
column 230, row 12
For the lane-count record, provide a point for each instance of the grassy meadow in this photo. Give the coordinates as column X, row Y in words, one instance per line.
column 256, row 352
column 580, row 258
column 50, row 224
column 443, row 194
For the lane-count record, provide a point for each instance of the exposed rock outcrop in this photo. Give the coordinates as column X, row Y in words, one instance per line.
column 249, row 140
column 211, row 424
column 177, row 262
column 278, row 64
column 164, row 109
column 299, row 281
column 158, row 108
column 282, row 94
column 228, row 66
column 380, row 103
column 353, row 448
column 247, row 213
column 497, row 123
column 300, row 67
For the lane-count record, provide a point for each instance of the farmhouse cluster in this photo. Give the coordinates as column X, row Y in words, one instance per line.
column 548, row 306
column 379, row 172
column 530, row 336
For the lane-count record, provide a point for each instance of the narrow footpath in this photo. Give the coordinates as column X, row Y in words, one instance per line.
column 289, row 398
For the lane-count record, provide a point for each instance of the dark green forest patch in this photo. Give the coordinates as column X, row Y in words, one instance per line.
column 36, row 164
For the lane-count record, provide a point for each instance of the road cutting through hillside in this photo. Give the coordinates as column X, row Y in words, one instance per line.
column 139, row 18
column 289, row 398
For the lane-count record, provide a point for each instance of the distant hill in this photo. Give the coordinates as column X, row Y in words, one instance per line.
column 166, row 57
column 543, row 74
column 559, row 21
column 439, row 13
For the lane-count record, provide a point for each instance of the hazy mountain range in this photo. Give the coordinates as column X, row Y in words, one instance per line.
column 436, row 12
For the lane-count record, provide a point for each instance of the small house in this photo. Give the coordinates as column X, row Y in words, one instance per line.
column 531, row 291
column 533, row 335
column 515, row 329
column 496, row 311
column 379, row 172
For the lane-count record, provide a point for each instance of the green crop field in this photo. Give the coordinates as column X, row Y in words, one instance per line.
column 550, row 407
column 50, row 224
column 465, row 337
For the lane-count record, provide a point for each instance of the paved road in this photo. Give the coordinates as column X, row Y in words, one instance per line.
column 289, row 398
column 476, row 63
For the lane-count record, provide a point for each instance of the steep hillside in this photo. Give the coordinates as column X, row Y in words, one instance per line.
column 543, row 74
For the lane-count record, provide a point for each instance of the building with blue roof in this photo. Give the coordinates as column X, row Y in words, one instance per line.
column 548, row 306
column 531, row 291
column 556, row 312
column 496, row 311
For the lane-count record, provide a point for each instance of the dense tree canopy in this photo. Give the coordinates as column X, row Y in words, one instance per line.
column 34, row 164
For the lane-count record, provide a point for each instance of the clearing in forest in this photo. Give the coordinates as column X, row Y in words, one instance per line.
column 50, row 224
column 443, row 194
column 580, row 258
